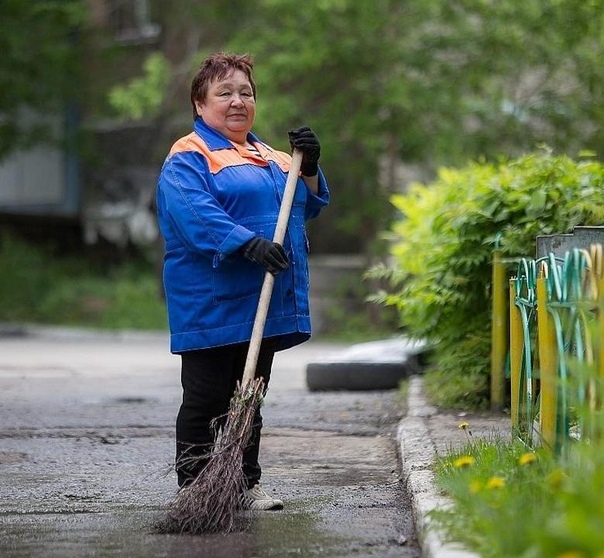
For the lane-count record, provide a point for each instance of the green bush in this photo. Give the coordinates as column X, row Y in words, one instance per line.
column 440, row 280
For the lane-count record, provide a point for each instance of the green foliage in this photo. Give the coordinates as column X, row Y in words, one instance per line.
column 429, row 81
column 387, row 74
column 143, row 96
column 457, row 377
column 550, row 505
column 38, row 66
column 318, row 67
column 443, row 246
column 383, row 83
column 38, row 287
column 23, row 279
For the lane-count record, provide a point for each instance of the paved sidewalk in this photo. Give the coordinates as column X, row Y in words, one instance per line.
column 423, row 434
column 86, row 444
column 79, row 421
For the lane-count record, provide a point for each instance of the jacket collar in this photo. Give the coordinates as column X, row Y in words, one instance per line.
column 214, row 139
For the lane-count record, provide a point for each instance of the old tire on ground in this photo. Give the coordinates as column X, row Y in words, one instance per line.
column 323, row 376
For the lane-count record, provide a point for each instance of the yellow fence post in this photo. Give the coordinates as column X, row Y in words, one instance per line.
column 599, row 397
column 548, row 365
column 516, row 350
column 499, row 333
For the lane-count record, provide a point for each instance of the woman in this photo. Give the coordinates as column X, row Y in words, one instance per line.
column 218, row 199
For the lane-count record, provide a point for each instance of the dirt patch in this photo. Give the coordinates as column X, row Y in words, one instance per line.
column 7, row 457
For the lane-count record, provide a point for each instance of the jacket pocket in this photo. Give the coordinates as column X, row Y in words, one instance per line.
column 236, row 278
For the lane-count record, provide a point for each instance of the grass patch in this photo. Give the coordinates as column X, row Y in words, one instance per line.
column 450, row 390
column 37, row 286
column 510, row 501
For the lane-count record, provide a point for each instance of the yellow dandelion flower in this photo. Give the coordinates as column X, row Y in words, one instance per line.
column 496, row 482
column 465, row 426
column 556, row 478
column 571, row 554
column 463, row 461
column 527, row 458
column 475, row 487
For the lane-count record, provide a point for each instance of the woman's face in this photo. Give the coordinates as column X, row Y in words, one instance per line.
column 229, row 106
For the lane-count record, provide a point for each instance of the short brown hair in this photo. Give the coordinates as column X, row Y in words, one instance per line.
column 217, row 66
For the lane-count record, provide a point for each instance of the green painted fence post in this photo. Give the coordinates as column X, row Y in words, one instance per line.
column 516, row 353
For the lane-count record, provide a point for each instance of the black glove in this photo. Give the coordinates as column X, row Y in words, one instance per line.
column 306, row 141
column 268, row 254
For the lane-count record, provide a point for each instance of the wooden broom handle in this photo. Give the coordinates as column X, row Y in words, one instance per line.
column 249, row 371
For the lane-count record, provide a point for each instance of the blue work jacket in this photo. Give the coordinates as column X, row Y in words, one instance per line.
column 212, row 197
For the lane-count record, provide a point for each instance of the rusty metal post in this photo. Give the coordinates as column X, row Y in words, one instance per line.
column 499, row 333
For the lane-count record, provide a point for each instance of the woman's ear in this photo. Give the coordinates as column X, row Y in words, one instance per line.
column 198, row 108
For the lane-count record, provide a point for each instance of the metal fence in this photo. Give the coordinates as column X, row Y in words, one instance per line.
column 555, row 329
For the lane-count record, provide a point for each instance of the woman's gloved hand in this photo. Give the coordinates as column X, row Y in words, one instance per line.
column 268, row 254
column 306, row 141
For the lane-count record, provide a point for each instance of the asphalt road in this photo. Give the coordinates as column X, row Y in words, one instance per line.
column 86, row 443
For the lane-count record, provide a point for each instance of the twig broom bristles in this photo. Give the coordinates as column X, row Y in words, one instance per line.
column 213, row 502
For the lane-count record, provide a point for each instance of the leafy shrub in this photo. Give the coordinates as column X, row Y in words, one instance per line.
column 440, row 278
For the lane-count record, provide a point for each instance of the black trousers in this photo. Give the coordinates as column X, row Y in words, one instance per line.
column 209, row 379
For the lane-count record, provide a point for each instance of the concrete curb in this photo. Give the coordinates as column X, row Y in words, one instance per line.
column 76, row 333
column 417, row 453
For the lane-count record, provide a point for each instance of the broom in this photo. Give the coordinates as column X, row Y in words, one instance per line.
column 213, row 502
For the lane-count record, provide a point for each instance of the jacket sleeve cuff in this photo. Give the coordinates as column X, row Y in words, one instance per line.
column 235, row 240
